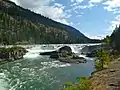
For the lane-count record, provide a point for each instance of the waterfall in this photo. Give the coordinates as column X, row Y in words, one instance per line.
column 34, row 51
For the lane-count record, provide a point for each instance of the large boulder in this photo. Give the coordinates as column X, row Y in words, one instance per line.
column 65, row 54
column 65, row 49
column 48, row 53
column 54, row 55
column 71, row 60
column 90, row 51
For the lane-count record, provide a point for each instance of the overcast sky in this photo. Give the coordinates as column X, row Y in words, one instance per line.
column 94, row 18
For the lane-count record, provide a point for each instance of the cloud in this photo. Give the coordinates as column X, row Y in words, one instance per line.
column 79, row 15
column 95, row 1
column 117, row 20
column 112, row 6
column 30, row 4
column 54, row 13
column 59, row 5
column 90, row 4
column 68, row 10
column 94, row 36
column 68, row 15
column 15, row 1
column 44, row 7
column 78, row 5
column 76, row 11
column 114, row 23
column 74, row 4
column 77, row 1
column 78, row 23
column 71, row 23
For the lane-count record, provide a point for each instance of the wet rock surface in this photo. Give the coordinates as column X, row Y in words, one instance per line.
column 12, row 53
column 65, row 54
column 90, row 51
column 48, row 53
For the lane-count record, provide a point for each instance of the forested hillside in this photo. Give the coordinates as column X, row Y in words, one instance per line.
column 115, row 39
column 18, row 25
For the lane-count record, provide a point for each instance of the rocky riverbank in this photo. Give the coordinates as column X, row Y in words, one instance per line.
column 12, row 53
column 107, row 79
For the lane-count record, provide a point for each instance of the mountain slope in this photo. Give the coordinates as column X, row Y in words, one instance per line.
column 21, row 25
column 115, row 39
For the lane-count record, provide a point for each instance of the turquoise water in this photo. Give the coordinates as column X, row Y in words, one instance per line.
column 41, row 73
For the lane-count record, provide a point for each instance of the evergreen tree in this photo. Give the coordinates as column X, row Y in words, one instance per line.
column 102, row 59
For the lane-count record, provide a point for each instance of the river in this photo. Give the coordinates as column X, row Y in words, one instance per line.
column 36, row 72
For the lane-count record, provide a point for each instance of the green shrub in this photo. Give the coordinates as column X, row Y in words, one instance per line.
column 83, row 83
column 102, row 59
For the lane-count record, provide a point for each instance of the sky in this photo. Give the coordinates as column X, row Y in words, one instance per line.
column 94, row 18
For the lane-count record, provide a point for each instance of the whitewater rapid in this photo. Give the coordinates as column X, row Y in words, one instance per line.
column 35, row 51
column 36, row 72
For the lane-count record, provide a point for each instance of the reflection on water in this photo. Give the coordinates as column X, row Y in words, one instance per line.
column 36, row 72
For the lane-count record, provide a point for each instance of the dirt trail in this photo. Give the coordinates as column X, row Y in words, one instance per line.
column 107, row 79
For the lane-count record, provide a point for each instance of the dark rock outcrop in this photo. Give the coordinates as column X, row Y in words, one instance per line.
column 72, row 60
column 12, row 53
column 90, row 51
column 65, row 49
column 92, row 54
column 48, row 53
column 54, row 55
column 65, row 54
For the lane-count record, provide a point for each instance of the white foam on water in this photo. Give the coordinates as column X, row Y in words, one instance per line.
column 65, row 65
column 87, row 58
column 31, row 55
column 90, row 58
column 73, row 50
column 35, row 52
column 53, row 64
column 38, row 51
column 3, row 83
column 2, row 74
column 15, row 86
column 83, row 56
column 71, row 46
